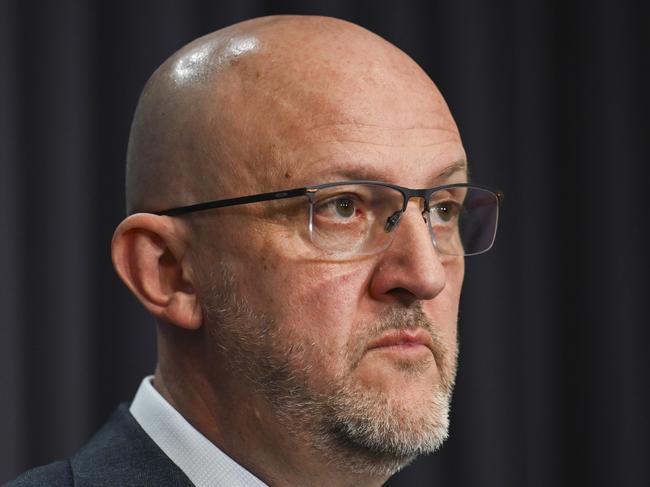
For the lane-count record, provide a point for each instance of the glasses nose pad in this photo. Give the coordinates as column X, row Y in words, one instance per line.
column 426, row 216
column 392, row 221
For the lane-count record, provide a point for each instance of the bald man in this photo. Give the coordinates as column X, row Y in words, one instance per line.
column 306, row 298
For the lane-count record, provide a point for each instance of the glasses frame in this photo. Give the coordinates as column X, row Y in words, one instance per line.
column 311, row 191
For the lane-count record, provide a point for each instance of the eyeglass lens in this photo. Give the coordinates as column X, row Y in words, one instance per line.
column 360, row 219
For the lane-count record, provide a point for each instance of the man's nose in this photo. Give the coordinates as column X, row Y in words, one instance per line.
column 411, row 268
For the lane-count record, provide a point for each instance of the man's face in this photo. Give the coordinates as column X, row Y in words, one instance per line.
column 358, row 357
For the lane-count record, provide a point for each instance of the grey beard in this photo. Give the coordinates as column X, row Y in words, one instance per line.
column 353, row 428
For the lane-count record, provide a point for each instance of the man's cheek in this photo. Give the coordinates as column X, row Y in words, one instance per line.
column 322, row 290
column 324, row 307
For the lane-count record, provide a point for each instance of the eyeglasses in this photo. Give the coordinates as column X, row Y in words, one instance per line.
column 355, row 218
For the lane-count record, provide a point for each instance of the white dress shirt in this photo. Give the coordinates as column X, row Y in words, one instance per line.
column 203, row 463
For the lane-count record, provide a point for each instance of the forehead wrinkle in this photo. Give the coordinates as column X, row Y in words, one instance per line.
column 327, row 157
column 327, row 153
column 391, row 143
column 370, row 129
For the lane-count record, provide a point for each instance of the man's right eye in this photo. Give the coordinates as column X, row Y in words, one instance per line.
column 344, row 207
column 340, row 208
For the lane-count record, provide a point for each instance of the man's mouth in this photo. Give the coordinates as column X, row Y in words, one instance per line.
column 402, row 340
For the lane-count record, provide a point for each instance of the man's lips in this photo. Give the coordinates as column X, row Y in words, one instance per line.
column 402, row 339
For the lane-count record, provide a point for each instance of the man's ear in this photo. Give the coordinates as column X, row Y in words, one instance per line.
column 150, row 256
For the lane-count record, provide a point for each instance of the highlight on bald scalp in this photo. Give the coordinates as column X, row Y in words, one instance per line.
column 185, row 136
column 164, row 152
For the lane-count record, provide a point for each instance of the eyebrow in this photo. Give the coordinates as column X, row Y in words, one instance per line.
column 458, row 166
column 369, row 173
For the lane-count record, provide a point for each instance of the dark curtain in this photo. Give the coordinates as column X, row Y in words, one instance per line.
column 552, row 100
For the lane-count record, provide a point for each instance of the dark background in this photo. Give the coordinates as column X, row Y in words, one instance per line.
column 552, row 100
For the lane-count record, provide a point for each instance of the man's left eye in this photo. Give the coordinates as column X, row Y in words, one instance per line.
column 446, row 211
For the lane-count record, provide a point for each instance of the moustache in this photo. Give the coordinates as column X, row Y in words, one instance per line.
column 400, row 318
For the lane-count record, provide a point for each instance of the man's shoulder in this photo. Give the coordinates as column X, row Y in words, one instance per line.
column 57, row 474
column 120, row 453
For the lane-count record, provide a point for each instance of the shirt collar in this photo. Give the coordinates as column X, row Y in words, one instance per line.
column 202, row 462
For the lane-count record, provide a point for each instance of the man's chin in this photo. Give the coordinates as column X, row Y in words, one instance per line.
column 396, row 373
column 384, row 431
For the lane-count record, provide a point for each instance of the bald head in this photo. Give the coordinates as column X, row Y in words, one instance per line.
column 222, row 116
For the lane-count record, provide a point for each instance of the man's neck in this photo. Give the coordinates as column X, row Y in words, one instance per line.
column 245, row 428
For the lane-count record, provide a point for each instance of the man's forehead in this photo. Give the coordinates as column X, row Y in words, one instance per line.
column 413, row 172
column 329, row 161
column 284, row 133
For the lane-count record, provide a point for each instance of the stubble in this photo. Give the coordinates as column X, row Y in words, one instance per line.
column 350, row 425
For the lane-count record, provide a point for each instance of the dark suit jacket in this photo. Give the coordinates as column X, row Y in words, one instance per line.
column 121, row 454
